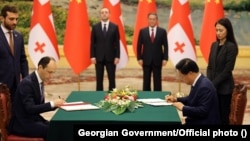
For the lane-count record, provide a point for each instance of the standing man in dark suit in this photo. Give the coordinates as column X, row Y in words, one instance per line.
column 152, row 52
column 13, row 61
column 201, row 105
column 29, row 102
column 105, row 49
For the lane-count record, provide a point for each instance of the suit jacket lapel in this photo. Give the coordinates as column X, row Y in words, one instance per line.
column 37, row 86
column 156, row 32
column 214, row 54
column 15, row 39
column 4, row 41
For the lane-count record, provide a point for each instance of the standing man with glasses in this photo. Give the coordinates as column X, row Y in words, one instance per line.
column 152, row 52
column 105, row 49
column 13, row 61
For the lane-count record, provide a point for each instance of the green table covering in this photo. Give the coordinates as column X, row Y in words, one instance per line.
column 63, row 122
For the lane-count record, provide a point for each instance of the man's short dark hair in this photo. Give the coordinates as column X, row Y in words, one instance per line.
column 153, row 13
column 187, row 65
column 44, row 61
column 8, row 8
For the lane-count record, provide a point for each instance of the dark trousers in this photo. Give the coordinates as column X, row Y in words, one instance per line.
column 99, row 68
column 148, row 70
column 12, row 89
column 33, row 129
column 224, row 105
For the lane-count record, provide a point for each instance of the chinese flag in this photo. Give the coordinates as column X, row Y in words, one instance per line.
column 42, row 38
column 180, row 32
column 212, row 12
column 144, row 7
column 116, row 16
column 77, row 36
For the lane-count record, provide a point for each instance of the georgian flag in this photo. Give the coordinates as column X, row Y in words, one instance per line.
column 116, row 16
column 180, row 32
column 42, row 38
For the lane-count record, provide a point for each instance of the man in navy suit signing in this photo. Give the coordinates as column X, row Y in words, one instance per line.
column 29, row 102
column 152, row 52
column 13, row 61
column 105, row 49
column 201, row 106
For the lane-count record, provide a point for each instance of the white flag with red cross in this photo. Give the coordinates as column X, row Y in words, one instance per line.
column 180, row 32
column 42, row 38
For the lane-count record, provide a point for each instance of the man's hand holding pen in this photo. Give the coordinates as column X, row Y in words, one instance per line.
column 170, row 98
column 173, row 99
column 59, row 101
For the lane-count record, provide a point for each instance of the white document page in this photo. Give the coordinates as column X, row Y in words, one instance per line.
column 154, row 101
column 79, row 105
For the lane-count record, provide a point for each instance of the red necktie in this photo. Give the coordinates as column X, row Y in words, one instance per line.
column 152, row 36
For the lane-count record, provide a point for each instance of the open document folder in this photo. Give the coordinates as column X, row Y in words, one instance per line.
column 155, row 101
column 79, row 105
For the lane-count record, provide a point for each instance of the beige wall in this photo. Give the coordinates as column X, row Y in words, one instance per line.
column 242, row 60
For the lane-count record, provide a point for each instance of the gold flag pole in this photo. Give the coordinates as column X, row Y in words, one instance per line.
column 179, row 93
column 79, row 83
column 179, row 86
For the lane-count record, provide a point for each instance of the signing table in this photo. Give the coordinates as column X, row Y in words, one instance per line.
column 63, row 122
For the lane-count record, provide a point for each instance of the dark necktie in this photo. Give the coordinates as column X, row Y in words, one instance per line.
column 104, row 29
column 42, row 91
column 192, row 88
column 11, row 42
column 152, row 36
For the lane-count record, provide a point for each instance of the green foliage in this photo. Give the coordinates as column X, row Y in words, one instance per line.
column 93, row 20
column 243, row 5
column 60, row 15
column 25, row 32
column 129, row 34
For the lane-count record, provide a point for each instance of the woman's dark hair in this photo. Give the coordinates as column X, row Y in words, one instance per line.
column 186, row 65
column 230, row 33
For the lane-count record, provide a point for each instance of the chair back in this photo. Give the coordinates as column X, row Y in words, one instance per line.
column 238, row 104
column 4, row 110
column 5, row 114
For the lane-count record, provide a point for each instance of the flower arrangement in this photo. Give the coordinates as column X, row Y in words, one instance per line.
column 120, row 100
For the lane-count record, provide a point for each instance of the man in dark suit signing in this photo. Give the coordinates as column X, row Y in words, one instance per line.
column 200, row 106
column 13, row 61
column 29, row 102
column 105, row 49
column 152, row 52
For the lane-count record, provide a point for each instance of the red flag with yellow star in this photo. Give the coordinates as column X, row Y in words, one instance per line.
column 144, row 7
column 213, row 11
column 42, row 37
column 77, row 36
